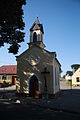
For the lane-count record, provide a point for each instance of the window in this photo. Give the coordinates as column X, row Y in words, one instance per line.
column 8, row 77
column 58, row 78
column 77, row 79
column 55, row 77
column 4, row 77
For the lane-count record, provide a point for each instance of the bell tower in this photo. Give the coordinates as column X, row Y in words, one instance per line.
column 36, row 34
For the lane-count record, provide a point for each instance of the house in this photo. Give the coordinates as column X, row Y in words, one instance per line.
column 38, row 70
column 68, row 75
column 8, row 74
column 76, row 78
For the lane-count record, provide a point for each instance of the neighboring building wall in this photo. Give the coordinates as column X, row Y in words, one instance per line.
column 9, row 79
column 8, row 74
column 76, row 78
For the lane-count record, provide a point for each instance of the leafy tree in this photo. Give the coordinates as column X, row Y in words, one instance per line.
column 64, row 76
column 11, row 24
column 75, row 66
column 70, row 73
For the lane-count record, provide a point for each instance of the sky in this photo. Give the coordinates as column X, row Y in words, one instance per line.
column 61, row 23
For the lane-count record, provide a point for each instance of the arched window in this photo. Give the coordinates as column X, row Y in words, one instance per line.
column 34, row 37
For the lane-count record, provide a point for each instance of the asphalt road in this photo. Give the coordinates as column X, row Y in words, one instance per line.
column 16, row 111
column 32, row 112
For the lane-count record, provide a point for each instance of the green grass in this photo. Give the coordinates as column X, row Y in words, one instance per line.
column 68, row 83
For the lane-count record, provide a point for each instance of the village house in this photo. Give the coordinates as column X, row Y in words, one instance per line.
column 38, row 70
column 8, row 74
column 68, row 76
column 76, row 78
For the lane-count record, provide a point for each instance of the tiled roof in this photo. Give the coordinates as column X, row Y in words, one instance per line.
column 8, row 69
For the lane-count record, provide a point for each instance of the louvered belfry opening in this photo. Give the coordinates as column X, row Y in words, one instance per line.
column 34, row 37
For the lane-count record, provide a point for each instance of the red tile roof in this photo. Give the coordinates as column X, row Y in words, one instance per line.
column 8, row 69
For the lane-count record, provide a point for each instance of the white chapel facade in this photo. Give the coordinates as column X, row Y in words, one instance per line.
column 38, row 70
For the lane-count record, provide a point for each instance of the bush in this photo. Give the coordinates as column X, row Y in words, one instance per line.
column 69, row 83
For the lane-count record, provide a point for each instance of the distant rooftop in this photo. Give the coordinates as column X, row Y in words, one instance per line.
column 8, row 69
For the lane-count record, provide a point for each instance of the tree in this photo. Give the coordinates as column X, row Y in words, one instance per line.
column 11, row 24
column 70, row 73
column 75, row 67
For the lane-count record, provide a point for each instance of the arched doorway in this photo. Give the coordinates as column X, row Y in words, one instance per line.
column 34, row 87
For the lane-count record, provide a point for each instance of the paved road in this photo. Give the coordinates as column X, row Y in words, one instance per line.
column 67, row 107
column 32, row 112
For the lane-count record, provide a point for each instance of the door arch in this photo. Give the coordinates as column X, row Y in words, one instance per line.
column 34, row 87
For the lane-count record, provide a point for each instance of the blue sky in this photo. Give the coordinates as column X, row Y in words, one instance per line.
column 61, row 22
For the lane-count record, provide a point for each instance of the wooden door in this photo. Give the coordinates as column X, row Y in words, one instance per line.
column 34, row 87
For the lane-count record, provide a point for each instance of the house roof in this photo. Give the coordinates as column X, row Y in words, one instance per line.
column 8, row 69
column 37, row 26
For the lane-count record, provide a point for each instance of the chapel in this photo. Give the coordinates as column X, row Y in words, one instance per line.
column 38, row 70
